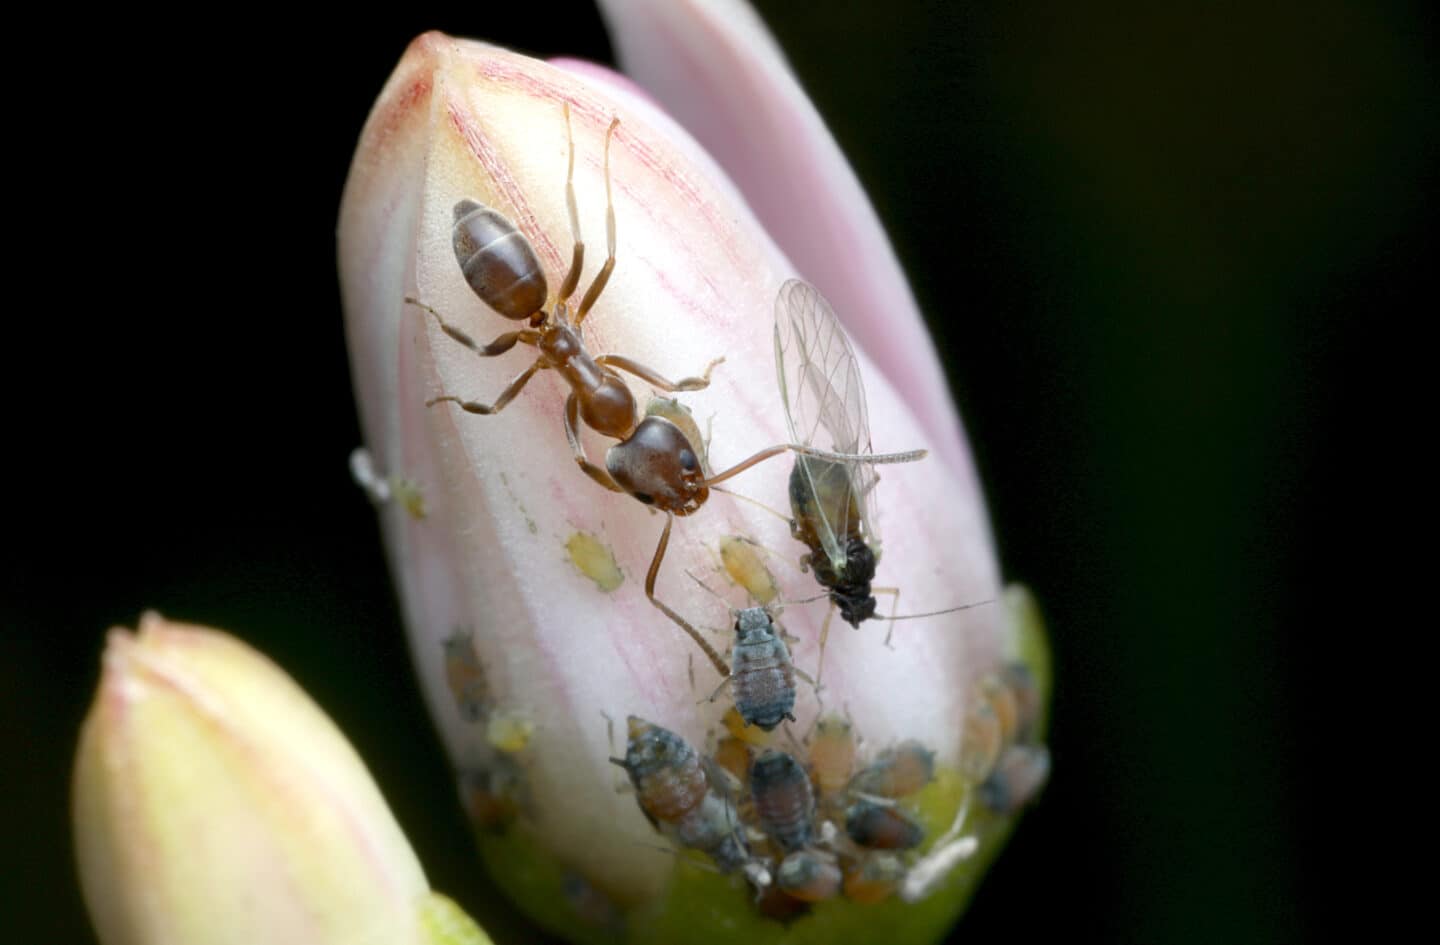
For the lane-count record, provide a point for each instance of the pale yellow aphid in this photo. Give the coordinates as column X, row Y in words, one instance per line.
column 744, row 563
column 509, row 730
column 749, row 734
column 595, row 560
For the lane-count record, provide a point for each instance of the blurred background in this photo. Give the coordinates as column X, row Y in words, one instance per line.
column 1166, row 252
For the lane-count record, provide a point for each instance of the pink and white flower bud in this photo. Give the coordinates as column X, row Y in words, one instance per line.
column 525, row 653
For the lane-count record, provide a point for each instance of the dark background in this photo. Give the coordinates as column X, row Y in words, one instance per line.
column 1167, row 253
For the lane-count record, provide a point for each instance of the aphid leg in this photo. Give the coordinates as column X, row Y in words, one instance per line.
column 824, row 636
column 507, row 395
column 577, row 258
column 572, row 433
column 894, row 606
column 655, row 380
column 654, row 571
column 603, row 276
column 805, row 676
column 718, row 689
column 500, row 345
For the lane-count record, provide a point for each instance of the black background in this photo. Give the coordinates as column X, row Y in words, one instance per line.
column 1166, row 253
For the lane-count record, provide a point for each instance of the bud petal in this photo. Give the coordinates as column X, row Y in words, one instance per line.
column 523, row 582
column 713, row 65
column 214, row 802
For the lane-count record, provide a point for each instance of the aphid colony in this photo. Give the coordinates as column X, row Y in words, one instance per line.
column 816, row 822
column 801, row 826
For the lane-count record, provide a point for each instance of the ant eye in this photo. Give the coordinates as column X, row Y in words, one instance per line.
column 644, row 497
column 687, row 460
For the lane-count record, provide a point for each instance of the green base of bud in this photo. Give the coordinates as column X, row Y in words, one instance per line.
column 706, row 908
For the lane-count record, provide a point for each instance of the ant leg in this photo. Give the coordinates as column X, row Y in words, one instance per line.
column 572, row 433
column 577, row 258
column 824, row 636
column 507, row 395
column 603, row 276
column 655, row 380
column 894, row 606
column 500, row 345
column 650, row 576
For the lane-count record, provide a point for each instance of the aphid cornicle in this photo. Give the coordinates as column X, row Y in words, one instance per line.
column 654, row 461
column 784, row 801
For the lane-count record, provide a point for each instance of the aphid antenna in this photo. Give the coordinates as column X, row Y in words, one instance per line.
column 758, row 504
column 933, row 613
column 948, row 610
column 864, row 459
column 808, row 600
column 734, row 612
column 609, row 729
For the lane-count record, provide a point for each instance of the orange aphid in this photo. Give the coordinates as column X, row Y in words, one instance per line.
column 832, row 755
column 897, row 772
column 873, row 879
column 733, row 755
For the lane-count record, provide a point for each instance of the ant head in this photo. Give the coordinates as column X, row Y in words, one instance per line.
column 658, row 466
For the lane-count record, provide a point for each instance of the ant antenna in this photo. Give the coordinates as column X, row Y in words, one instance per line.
column 570, row 180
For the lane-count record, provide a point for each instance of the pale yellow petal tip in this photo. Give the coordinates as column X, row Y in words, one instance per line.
column 192, row 727
column 442, row 922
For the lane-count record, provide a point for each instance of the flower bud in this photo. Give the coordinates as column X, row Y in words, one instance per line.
column 215, row 803
column 525, row 578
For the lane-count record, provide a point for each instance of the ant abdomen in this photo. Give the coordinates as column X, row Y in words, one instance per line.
column 498, row 261
column 610, row 408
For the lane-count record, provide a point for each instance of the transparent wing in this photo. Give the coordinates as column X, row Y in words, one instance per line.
column 824, row 400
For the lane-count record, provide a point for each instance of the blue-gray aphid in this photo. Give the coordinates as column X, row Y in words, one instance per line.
column 784, row 801
column 762, row 678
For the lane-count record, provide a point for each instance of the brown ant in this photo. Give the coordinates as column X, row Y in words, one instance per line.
column 655, row 462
